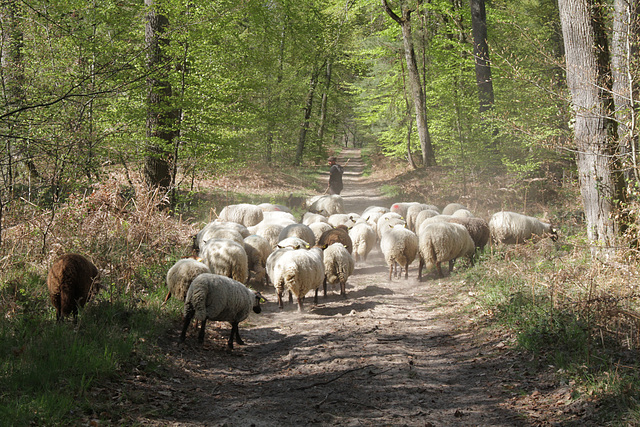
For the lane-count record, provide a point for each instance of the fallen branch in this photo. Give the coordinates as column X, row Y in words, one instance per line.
column 333, row 379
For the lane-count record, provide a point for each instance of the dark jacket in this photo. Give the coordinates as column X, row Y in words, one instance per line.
column 335, row 179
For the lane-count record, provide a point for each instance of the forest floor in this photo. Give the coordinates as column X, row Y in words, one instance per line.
column 398, row 352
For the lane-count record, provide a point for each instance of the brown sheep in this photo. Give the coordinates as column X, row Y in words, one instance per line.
column 340, row 234
column 478, row 228
column 70, row 281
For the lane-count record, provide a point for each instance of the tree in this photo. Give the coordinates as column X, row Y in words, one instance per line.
column 587, row 63
column 481, row 54
column 417, row 91
column 161, row 116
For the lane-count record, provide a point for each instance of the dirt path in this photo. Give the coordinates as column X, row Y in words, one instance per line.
column 393, row 353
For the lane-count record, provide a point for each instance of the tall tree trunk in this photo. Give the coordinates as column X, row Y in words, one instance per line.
column 323, row 106
column 623, row 40
column 161, row 118
column 417, row 92
column 481, row 55
column 587, row 77
column 307, row 117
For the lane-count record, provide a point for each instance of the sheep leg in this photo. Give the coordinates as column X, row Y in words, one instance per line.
column 343, row 290
column 451, row 262
column 290, row 298
column 300, row 304
column 439, row 267
column 315, row 298
column 324, row 287
column 235, row 333
column 280, row 304
column 420, row 267
column 201, row 334
column 406, row 271
column 190, row 312
column 390, row 270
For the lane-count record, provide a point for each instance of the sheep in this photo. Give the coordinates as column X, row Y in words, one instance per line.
column 298, row 230
column 443, row 241
column 375, row 209
column 462, row 213
column 243, row 213
column 431, row 220
column 341, row 219
column 258, row 250
column 70, row 281
column 227, row 258
column 273, row 207
column 180, row 276
column 413, row 211
column 423, row 215
column 401, row 208
column 293, row 242
column 326, row 205
column 268, row 231
column 297, row 270
column 338, row 266
column 363, row 238
column 318, row 228
column 278, row 217
column 478, row 230
column 510, row 227
column 338, row 234
column 309, row 218
column 399, row 247
column 217, row 229
column 451, row 208
column 219, row 298
column 387, row 221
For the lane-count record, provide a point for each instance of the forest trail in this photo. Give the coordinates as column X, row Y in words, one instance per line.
column 392, row 353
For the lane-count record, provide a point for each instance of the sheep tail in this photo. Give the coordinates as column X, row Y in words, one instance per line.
column 199, row 303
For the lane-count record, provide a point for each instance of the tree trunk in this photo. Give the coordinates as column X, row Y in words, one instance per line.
column 417, row 92
column 323, row 107
column 481, row 55
column 624, row 37
column 307, row 116
column 161, row 117
column 587, row 66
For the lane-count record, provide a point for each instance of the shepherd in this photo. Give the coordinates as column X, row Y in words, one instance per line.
column 335, row 176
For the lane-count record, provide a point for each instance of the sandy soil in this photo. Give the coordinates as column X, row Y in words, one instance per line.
column 392, row 353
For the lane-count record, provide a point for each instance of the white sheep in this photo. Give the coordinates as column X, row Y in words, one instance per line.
column 443, row 241
column 71, row 281
column 363, row 238
column 401, row 208
column 258, row 250
column 387, row 221
column 326, row 205
column 423, row 215
column 218, row 298
column 318, row 228
column 451, row 208
column 243, row 213
column 218, row 229
column 278, row 217
column 298, row 230
column 462, row 213
column 269, row 231
column 227, row 258
column 310, row 218
column 298, row 271
column 273, row 207
column 293, row 242
column 413, row 211
column 341, row 219
column 399, row 247
column 511, row 227
column 338, row 266
column 180, row 276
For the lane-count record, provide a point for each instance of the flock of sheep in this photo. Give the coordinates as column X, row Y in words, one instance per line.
column 252, row 247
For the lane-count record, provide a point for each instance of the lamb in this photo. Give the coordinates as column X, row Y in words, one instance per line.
column 451, row 208
column 227, row 258
column 339, row 234
column 363, row 238
column 298, row 230
column 443, row 241
column 180, row 276
column 258, row 250
column 71, row 281
column 216, row 297
column 243, row 213
column 338, row 266
column 326, row 205
column 510, row 227
column 478, row 230
column 299, row 271
column 399, row 247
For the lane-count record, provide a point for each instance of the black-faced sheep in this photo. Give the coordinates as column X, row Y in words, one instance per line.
column 399, row 247
column 443, row 241
column 216, row 297
column 71, row 281
column 510, row 227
